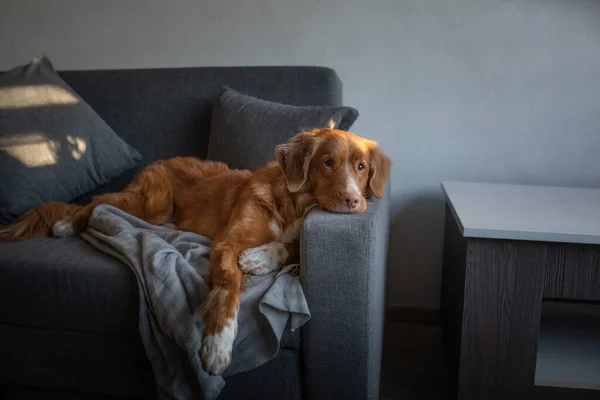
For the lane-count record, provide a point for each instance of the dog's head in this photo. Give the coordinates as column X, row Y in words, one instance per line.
column 339, row 169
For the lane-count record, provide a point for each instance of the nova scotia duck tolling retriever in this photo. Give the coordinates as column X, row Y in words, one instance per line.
column 252, row 217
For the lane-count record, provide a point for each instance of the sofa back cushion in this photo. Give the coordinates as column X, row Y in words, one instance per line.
column 245, row 130
column 167, row 112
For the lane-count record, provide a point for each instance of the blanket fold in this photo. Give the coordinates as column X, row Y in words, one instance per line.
column 172, row 269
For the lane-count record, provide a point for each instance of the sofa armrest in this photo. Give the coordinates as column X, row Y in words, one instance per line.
column 343, row 262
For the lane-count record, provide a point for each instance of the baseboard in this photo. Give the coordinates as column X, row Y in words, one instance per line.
column 426, row 316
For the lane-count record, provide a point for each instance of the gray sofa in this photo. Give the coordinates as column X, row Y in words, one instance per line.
column 68, row 314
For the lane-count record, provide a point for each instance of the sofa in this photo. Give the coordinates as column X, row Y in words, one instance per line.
column 68, row 314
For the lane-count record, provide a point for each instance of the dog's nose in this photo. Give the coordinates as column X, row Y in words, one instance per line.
column 352, row 200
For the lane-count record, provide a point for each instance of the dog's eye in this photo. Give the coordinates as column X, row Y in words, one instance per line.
column 328, row 163
column 361, row 167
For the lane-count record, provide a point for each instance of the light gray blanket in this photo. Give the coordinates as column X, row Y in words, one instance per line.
column 172, row 268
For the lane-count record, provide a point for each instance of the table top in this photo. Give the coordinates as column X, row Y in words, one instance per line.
column 522, row 212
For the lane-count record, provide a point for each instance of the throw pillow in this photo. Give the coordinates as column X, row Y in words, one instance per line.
column 53, row 145
column 245, row 130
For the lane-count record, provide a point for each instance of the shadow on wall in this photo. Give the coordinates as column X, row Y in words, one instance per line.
column 415, row 251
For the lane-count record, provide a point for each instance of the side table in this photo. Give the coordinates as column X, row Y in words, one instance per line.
column 520, row 291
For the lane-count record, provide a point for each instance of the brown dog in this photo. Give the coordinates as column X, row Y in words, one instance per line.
column 252, row 218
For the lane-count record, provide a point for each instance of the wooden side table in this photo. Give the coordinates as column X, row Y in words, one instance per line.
column 520, row 280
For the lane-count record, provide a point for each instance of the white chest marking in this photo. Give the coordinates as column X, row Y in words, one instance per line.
column 289, row 234
column 277, row 232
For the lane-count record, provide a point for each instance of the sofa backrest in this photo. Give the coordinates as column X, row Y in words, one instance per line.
column 166, row 112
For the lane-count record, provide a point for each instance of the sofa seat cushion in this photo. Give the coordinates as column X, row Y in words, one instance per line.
column 66, row 284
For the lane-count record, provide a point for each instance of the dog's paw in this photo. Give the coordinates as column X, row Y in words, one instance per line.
column 215, row 352
column 263, row 259
column 63, row 228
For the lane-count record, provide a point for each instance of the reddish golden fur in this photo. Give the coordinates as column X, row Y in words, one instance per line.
column 236, row 208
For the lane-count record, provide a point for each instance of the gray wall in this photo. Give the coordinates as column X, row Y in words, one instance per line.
column 491, row 90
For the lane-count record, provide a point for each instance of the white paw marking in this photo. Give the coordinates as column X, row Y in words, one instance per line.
column 63, row 228
column 215, row 352
column 263, row 259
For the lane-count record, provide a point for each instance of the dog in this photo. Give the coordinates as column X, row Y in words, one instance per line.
column 253, row 218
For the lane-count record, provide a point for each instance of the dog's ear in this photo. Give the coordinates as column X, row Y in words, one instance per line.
column 379, row 171
column 294, row 159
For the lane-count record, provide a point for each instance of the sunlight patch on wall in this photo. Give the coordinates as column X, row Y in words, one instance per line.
column 31, row 149
column 35, row 96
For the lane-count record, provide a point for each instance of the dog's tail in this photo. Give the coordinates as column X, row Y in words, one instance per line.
column 37, row 221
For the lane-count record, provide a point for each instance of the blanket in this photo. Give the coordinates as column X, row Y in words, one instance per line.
column 172, row 271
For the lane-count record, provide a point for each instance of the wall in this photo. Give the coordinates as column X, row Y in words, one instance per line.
column 491, row 90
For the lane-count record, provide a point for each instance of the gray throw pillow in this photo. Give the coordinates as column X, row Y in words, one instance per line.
column 245, row 130
column 53, row 145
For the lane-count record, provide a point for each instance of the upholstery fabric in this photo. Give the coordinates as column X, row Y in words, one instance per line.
column 245, row 129
column 66, row 284
column 343, row 272
column 53, row 146
column 75, row 361
column 117, row 365
column 280, row 378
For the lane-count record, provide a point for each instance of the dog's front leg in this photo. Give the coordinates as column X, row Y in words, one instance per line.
column 220, row 309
